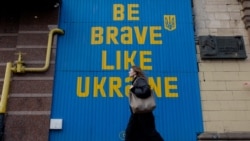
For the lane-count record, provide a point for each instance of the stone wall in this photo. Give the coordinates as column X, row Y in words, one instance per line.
column 224, row 83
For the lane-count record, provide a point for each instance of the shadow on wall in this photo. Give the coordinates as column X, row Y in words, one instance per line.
column 15, row 5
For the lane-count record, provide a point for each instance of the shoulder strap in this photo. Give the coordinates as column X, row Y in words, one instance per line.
column 136, row 79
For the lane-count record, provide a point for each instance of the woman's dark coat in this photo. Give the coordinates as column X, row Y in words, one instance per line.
column 141, row 127
column 140, row 87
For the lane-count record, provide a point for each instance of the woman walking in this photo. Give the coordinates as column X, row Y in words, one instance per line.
column 141, row 126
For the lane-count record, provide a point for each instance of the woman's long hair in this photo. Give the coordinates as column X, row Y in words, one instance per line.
column 138, row 72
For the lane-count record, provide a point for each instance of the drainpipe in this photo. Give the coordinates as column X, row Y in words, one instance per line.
column 19, row 67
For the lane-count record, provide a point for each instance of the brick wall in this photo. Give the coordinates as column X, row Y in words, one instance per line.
column 225, row 98
column 29, row 103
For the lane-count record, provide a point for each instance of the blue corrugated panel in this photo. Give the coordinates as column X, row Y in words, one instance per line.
column 102, row 40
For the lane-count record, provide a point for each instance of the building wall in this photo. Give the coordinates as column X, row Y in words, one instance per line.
column 225, row 97
column 28, row 110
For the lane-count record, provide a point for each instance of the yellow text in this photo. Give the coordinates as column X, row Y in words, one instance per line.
column 132, row 12
column 112, row 87
column 128, row 59
column 125, row 35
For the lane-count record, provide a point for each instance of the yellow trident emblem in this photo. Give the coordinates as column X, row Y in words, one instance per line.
column 170, row 22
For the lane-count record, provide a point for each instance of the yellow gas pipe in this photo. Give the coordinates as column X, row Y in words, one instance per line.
column 6, row 86
column 20, row 68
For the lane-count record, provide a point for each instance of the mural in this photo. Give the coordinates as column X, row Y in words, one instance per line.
column 102, row 40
